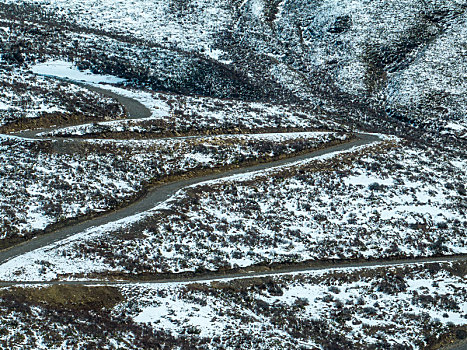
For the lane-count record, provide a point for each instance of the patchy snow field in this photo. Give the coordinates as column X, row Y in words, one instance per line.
column 394, row 66
column 380, row 201
column 177, row 114
column 45, row 182
column 407, row 54
column 348, row 308
column 171, row 23
column 400, row 307
column 77, row 317
column 434, row 88
column 27, row 96
column 66, row 70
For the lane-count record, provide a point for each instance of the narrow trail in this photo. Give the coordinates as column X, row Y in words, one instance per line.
column 133, row 108
column 244, row 273
column 160, row 193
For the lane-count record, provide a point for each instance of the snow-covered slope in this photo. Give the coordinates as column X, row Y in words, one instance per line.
column 405, row 58
column 236, row 81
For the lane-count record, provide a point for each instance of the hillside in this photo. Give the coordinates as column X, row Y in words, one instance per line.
column 233, row 174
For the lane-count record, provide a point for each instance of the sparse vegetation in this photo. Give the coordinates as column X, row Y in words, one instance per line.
column 47, row 182
column 323, row 209
column 203, row 77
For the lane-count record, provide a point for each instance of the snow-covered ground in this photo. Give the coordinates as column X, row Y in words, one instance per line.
column 170, row 23
column 176, row 114
column 380, row 201
column 173, row 114
column 388, row 307
column 345, row 307
column 28, row 96
column 347, row 57
column 435, row 86
column 403, row 53
column 66, row 70
column 44, row 182
column 117, row 170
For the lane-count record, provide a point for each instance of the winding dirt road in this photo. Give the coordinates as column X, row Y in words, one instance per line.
column 133, row 108
column 248, row 272
column 158, row 194
column 161, row 193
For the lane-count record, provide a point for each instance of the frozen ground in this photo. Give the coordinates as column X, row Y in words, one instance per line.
column 394, row 66
column 66, row 70
column 434, row 87
column 45, row 182
column 398, row 307
column 170, row 23
column 176, row 114
column 25, row 96
column 340, row 308
column 357, row 210
column 402, row 61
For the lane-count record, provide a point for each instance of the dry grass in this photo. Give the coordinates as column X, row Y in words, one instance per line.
column 68, row 297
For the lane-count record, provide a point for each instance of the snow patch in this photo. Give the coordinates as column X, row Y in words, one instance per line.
column 66, row 70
